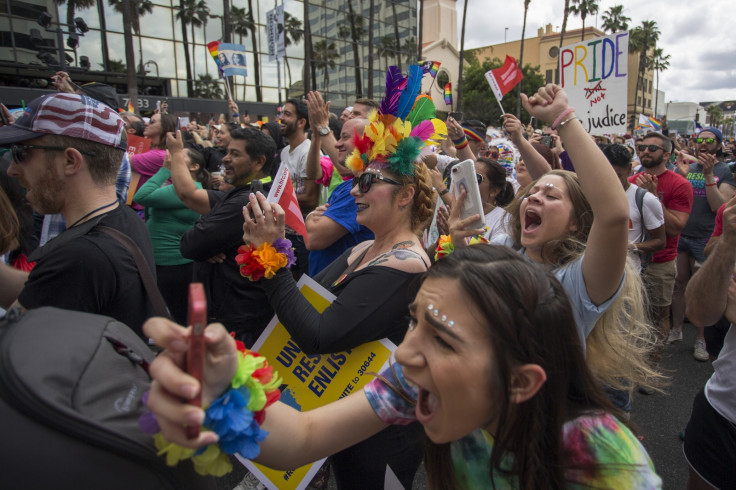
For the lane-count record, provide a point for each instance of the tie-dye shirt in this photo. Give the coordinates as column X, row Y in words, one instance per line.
column 596, row 439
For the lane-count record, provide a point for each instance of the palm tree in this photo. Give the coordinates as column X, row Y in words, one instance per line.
column 521, row 57
column 324, row 56
column 241, row 25
column 115, row 66
column 641, row 40
column 565, row 14
column 200, row 12
column 355, row 31
column 459, row 90
column 614, row 19
column 184, row 16
column 583, row 8
column 661, row 63
column 409, row 48
column 386, row 47
column 396, row 33
column 293, row 33
column 715, row 114
column 140, row 8
column 71, row 8
column 207, row 87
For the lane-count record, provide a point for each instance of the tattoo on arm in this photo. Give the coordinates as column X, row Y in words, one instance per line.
column 399, row 254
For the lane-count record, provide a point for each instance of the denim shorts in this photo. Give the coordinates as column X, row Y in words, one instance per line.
column 693, row 247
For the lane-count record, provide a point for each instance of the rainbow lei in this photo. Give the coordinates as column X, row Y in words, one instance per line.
column 265, row 260
column 446, row 247
column 236, row 417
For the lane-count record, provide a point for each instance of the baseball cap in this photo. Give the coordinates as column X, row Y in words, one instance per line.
column 73, row 115
column 104, row 93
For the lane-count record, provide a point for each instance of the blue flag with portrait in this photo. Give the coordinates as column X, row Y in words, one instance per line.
column 231, row 59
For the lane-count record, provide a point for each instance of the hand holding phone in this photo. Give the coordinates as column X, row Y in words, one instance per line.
column 464, row 178
column 197, row 321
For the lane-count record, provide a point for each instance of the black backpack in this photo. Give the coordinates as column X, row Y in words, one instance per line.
column 70, row 396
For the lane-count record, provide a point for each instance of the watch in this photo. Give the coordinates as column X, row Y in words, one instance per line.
column 323, row 130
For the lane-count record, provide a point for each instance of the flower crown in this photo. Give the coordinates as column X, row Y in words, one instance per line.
column 402, row 130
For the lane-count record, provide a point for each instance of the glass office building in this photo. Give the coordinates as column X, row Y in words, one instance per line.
column 340, row 32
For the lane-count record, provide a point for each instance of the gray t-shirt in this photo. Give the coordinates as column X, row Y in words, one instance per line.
column 702, row 218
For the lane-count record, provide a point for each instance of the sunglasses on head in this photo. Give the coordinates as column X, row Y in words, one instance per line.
column 21, row 153
column 651, row 148
column 705, row 140
column 365, row 181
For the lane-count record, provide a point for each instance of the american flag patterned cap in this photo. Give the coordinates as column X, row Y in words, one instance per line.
column 76, row 116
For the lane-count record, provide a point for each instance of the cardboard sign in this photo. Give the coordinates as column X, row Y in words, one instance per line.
column 594, row 74
column 313, row 380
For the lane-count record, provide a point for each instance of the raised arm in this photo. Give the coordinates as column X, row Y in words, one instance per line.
column 706, row 295
column 605, row 252
column 535, row 163
column 319, row 117
column 193, row 197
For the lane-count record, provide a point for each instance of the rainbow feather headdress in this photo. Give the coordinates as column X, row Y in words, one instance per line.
column 402, row 130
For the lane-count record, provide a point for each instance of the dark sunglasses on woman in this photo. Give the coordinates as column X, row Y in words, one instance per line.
column 365, row 181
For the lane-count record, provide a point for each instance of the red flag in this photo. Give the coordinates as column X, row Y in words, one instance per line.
column 282, row 192
column 503, row 79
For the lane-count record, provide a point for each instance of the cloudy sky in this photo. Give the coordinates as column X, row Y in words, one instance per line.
column 699, row 37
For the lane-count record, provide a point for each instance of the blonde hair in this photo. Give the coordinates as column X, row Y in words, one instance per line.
column 425, row 198
column 620, row 344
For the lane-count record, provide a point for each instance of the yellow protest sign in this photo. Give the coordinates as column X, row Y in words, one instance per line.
column 310, row 381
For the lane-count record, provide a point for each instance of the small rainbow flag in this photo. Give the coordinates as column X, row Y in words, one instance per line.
column 130, row 107
column 656, row 124
column 213, row 48
column 448, row 94
column 431, row 67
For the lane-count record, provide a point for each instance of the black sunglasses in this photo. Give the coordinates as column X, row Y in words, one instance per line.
column 706, row 140
column 651, row 148
column 365, row 181
column 21, row 152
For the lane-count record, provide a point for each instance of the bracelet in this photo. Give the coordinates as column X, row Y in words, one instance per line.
column 236, row 114
column 562, row 124
column 711, row 185
column 265, row 260
column 236, row 417
column 444, row 191
column 562, row 115
column 461, row 143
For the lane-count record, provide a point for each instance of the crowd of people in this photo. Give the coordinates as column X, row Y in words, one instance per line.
column 519, row 343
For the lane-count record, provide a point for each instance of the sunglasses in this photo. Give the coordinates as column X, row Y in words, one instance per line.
column 365, row 181
column 493, row 154
column 705, row 140
column 22, row 152
column 479, row 178
column 651, row 148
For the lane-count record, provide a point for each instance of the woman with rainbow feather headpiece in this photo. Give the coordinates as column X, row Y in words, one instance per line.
column 372, row 281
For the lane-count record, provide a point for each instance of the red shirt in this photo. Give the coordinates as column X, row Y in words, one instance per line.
column 676, row 194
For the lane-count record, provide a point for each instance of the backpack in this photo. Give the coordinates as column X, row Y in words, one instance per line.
column 70, row 396
column 645, row 257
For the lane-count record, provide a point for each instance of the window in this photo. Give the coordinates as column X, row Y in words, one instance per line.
column 554, row 51
column 549, row 76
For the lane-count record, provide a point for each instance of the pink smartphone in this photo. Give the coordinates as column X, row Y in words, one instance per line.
column 195, row 352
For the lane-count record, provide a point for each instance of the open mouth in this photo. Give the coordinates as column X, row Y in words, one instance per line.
column 361, row 206
column 532, row 220
column 427, row 404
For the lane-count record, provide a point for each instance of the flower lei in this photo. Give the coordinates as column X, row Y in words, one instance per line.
column 265, row 260
column 446, row 247
column 236, row 417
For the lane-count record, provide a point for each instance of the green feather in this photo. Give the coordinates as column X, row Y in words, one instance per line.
column 407, row 151
column 423, row 110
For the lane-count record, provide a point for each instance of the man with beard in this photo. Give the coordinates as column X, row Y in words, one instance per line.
column 294, row 125
column 66, row 151
column 214, row 239
column 713, row 185
column 676, row 195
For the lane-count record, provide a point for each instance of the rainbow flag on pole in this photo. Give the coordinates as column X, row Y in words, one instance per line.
column 431, row 67
column 448, row 94
column 213, row 48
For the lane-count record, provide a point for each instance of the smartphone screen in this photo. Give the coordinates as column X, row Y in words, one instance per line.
column 197, row 320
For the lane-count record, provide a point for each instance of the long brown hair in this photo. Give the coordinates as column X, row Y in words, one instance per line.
column 528, row 321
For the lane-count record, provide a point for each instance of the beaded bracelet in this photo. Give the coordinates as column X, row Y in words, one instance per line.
column 265, row 260
column 236, row 417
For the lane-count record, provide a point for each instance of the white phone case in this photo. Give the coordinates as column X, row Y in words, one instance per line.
column 463, row 177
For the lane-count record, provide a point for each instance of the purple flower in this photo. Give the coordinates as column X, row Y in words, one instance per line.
column 283, row 246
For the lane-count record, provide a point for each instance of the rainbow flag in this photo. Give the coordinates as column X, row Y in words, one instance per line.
column 656, row 124
column 431, row 67
column 130, row 107
column 448, row 94
column 214, row 48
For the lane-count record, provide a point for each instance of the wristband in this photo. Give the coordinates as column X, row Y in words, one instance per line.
column 561, row 116
column 236, row 114
column 265, row 260
column 712, row 185
column 461, row 143
column 444, row 191
column 236, row 417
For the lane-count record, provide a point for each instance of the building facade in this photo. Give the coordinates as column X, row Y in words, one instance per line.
column 170, row 43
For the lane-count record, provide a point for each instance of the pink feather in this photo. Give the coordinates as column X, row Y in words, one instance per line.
column 423, row 131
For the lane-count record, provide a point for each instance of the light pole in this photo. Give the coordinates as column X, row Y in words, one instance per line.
column 78, row 29
column 151, row 62
column 506, row 29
